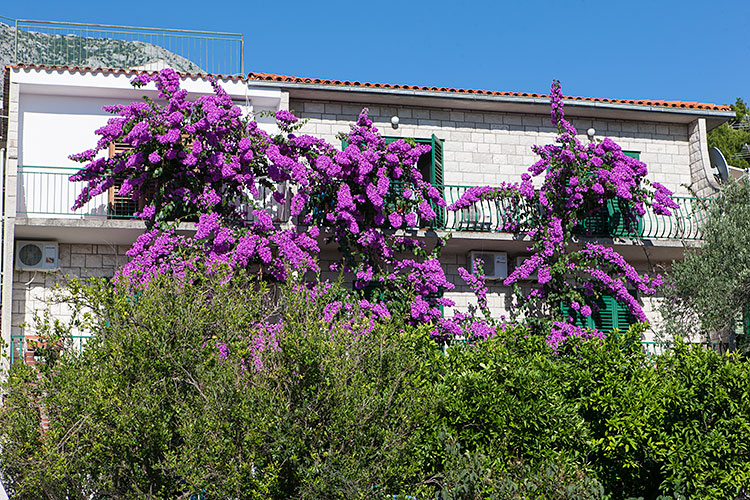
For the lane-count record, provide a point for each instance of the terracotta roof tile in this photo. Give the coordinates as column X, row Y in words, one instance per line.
column 635, row 102
column 347, row 83
column 113, row 71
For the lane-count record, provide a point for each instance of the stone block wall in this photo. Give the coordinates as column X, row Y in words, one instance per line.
column 487, row 148
column 33, row 291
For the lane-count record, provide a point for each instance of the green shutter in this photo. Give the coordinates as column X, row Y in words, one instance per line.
column 633, row 154
column 436, row 179
column 436, row 176
column 578, row 320
column 611, row 314
column 605, row 318
column 617, row 226
column 344, row 144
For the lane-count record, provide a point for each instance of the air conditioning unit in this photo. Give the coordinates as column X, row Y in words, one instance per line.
column 495, row 264
column 37, row 256
column 519, row 261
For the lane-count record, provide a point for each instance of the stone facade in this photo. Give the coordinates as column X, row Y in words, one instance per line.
column 703, row 182
column 34, row 291
column 487, row 148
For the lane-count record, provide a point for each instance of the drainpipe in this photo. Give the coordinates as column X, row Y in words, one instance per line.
column 2, row 247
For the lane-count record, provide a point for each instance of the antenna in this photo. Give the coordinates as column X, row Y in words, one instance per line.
column 719, row 163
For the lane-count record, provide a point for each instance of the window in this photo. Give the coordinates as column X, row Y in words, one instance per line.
column 609, row 221
column 430, row 165
column 119, row 206
column 611, row 314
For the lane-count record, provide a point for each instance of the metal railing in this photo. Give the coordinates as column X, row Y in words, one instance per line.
column 127, row 47
column 508, row 215
column 657, row 348
column 23, row 347
column 47, row 192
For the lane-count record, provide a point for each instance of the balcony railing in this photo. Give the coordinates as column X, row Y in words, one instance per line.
column 510, row 216
column 23, row 348
column 127, row 47
column 47, row 192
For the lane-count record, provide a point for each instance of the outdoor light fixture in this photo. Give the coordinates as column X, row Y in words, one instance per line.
column 394, row 121
column 591, row 132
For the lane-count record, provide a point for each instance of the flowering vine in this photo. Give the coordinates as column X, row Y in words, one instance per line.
column 203, row 162
column 579, row 181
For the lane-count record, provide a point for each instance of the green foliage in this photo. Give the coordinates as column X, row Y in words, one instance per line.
column 173, row 398
column 151, row 410
column 711, row 287
column 730, row 140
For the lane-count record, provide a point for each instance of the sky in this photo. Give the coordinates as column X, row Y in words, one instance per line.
column 690, row 50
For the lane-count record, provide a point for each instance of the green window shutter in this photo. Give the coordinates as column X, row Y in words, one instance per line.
column 437, row 179
column 578, row 320
column 344, row 144
column 436, row 176
column 612, row 314
column 633, row 154
column 605, row 317
column 624, row 317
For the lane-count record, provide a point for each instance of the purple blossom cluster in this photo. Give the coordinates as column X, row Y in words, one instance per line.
column 561, row 331
column 201, row 160
column 578, row 181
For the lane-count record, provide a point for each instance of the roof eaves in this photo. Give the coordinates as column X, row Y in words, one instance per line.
column 526, row 98
column 119, row 71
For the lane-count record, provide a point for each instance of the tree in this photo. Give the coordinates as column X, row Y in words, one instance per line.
column 190, row 390
column 709, row 291
column 730, row 140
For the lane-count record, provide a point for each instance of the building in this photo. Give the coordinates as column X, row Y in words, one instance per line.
column 478, row 138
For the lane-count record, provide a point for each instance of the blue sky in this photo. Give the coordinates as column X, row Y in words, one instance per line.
column 660, row 49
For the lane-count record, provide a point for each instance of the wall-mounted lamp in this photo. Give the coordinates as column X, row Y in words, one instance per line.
column 591, row 133
column 394, row 121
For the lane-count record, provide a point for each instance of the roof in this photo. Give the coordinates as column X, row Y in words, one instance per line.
column 345, row 83
column 270, row 77
column 113, row 71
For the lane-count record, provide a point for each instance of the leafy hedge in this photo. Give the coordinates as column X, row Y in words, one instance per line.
column 169, row 401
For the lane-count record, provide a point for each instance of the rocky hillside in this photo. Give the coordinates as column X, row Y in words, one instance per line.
column 71, row 50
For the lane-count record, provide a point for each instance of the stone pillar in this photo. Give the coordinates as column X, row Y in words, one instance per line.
column 703, row 182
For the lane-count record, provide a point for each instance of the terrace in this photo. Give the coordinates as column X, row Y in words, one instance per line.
column 46, row 192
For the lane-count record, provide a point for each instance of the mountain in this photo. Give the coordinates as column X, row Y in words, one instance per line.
column 71, row 50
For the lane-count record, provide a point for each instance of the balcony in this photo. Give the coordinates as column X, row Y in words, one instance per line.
column 125, row 47
column 46, row 192
column 510, row 216
column 24, row 348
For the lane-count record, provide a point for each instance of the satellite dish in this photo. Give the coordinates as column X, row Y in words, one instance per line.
column 719, row 163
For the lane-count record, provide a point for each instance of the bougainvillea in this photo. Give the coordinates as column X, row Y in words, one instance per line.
column 579, row 181
column 264, row 202
column 203, row 162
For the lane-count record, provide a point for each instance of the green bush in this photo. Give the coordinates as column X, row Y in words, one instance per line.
column 167, row 401
column 151, row 410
